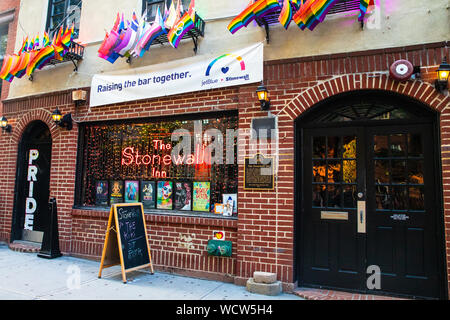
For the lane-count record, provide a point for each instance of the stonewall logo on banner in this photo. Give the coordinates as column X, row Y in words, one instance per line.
column 188, row 75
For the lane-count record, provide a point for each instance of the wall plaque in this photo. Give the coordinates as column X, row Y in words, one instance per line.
column 259, row 173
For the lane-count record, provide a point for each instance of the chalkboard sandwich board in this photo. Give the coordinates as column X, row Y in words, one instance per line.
column 126, row 239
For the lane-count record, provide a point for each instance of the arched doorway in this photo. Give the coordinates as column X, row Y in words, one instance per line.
column 369, row 195
column 30, row 217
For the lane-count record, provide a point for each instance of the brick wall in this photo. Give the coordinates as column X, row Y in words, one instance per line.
column 6, row 5
column 263, row 236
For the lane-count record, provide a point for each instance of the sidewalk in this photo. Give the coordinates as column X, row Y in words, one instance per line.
column 24, row 276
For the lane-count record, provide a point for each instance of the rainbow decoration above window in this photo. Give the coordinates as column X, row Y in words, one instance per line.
column 138, row 35
column 254, row 10
column 34, row 54
column 308, row 13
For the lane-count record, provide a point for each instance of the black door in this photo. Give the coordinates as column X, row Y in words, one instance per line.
column 370, row 198
column 32, row 184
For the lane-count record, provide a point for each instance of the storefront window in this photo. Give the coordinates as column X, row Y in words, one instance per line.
column 179, row 166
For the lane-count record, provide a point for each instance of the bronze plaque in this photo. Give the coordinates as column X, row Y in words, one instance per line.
column 259, row 173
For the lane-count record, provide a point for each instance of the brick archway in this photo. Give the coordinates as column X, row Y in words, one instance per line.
column 419, row 90
column 38, row 114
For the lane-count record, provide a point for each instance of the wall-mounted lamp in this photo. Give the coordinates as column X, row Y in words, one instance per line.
column 4, row 124
column 263, row 97
column 79, row 96
column 62, row 121
column 443, row 73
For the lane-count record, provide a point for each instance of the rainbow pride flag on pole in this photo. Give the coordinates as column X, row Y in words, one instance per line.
column 285, row 17
column 312, row 13
column 254, row 10
column 181, row 27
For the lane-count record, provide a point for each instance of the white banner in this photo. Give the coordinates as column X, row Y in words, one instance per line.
column 228, row 69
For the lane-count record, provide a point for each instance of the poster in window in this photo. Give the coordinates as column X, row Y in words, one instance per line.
column 131, row 191
column 116, row 194
column 201, row 197
column 164, row 196
column 233, row 196
column 101, row 193
column 148, row 194
column 183, row 196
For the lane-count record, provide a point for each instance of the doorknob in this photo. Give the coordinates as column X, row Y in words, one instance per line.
column 361, row 220
column 360, row 195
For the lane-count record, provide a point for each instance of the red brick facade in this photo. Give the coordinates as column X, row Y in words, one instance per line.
column 263, row 235
column 6, row 6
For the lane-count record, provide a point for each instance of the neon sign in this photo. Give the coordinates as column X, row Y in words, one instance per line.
column 131, row 156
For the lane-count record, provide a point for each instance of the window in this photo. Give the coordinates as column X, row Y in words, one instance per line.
column 3, row 44
column 116, row 158
column 153, row 5
column 63, row 13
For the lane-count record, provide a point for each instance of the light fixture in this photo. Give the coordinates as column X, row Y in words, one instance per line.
column 443, row 73
column 79, row 96
column 62, row 121
column 263, row 97
column 4, row 124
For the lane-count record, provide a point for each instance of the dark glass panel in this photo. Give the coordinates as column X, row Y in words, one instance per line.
column 318, row 199
column 399, row 171
column 382, row 171
column 398, row 145
column 319, row 147
column 319, row 171
column 416, row 198
column 334, row 171
column 380, row 147
column 334, row 196
column 415, row 171
column 399, row 198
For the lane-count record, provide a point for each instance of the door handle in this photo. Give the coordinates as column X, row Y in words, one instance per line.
column 361, row 220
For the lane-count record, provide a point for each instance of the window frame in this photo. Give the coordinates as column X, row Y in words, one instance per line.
column 146, row 3
column 3, row 28
column 64, row 13
column 80, row 167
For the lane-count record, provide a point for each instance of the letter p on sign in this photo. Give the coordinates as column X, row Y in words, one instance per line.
column 34, row 155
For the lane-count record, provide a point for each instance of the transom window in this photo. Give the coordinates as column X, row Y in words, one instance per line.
column 63, row 13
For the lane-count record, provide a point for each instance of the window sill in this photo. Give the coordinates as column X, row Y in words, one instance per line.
column 167, row 216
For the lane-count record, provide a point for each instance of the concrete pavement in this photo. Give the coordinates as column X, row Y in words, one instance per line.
column 24, row 276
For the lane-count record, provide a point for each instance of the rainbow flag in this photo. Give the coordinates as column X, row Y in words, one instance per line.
column 41, row 59
column 46, row 40
column 285, row 17
column 24, row 46
column 264, row 7
column 363, row 7
column 180, row 29
column 254, row 10
column 9, row 64
column 67, row 37
column 21, row 66
column 312, row 13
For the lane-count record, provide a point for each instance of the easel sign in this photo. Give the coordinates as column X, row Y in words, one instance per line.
column 126, row 240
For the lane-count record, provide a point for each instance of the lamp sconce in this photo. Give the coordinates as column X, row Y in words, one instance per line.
column 4, row 124
column 78, row 96
column 443, row 73
column 263, row 97
column 62, row 121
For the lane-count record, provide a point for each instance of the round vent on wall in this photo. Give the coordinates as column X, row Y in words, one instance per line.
column 401, row 70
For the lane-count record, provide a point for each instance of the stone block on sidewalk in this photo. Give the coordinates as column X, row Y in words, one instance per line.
column 268, row 289
column 264, row 277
